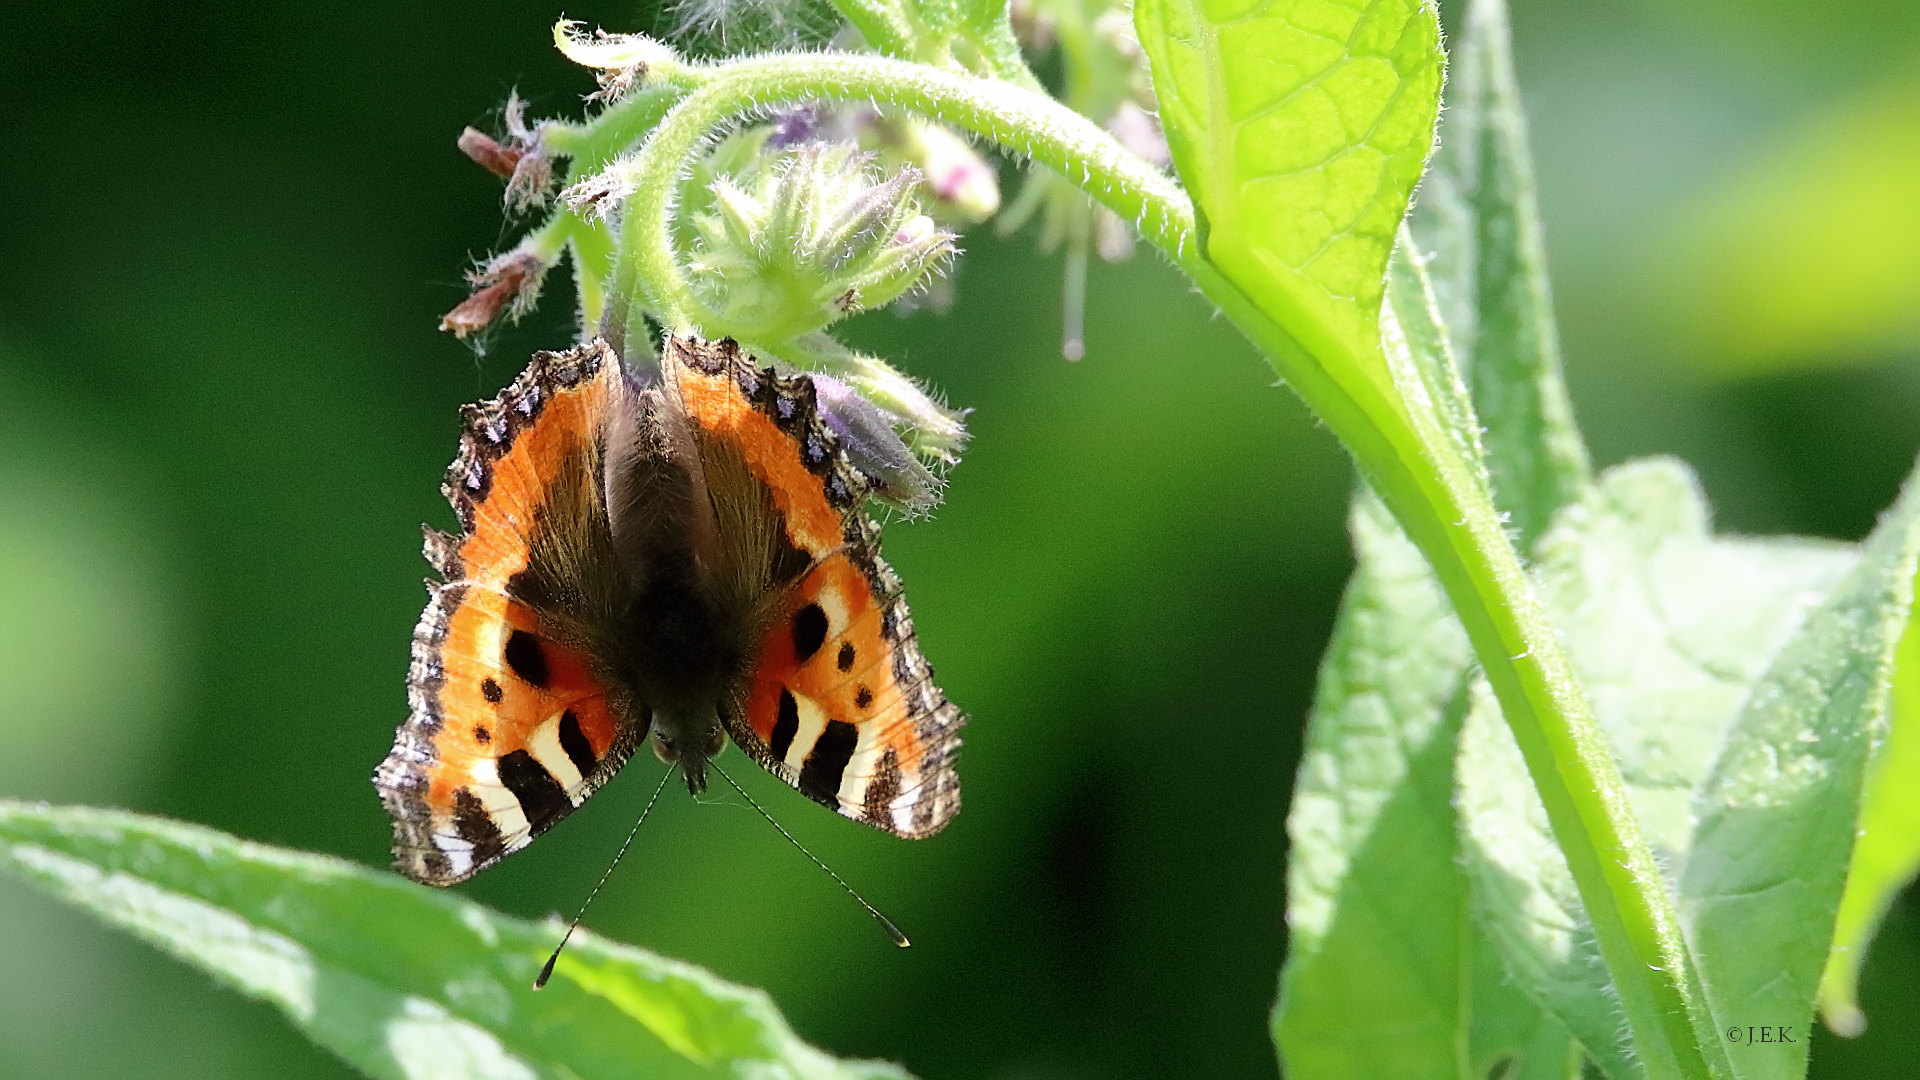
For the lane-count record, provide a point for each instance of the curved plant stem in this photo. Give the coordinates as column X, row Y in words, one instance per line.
column 1024, row 122
column 1438, row 496
column 618, row 127
column 1447, row 509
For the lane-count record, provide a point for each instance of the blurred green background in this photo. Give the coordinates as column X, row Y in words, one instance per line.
column 224, row 413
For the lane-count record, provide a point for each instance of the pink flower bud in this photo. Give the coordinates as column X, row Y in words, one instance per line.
column 488, row 154
column 511, row 281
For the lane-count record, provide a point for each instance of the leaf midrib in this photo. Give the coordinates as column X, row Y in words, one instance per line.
column 1220, row 119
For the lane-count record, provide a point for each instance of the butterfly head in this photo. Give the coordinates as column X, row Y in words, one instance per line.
column 689, row 745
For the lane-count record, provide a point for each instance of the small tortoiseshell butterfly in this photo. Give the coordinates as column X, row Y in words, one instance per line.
column 684, row 556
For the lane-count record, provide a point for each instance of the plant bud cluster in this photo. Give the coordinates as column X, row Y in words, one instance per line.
column 812, row 212
column 800, row 238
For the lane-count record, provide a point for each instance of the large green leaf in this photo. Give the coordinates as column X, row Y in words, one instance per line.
column 1375, row 903
column 1887, row 854
column 1669, row 627
column 1477, row 221
column 1385, row 974
column 1763, row 882
column 1699, row 650
column 399, row 980
column 1300, row 128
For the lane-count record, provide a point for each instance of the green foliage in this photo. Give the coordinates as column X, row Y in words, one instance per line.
column 1672, row 630
column 1385, row 971
column 1394, row 401
column 1777, row 816
column 397, row 979
column 1600, row 808
column 1300, row 130
column 1740, row 682
column 1887, row 854
column 1690, row 646
column 1478, row 223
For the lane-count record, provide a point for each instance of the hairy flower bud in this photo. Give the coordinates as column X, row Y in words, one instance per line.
column 521, row 160
column 963, row 185
column 509, row 281
column 867, row 435
column 800, row 238
column 932, row 430
column 891, row 427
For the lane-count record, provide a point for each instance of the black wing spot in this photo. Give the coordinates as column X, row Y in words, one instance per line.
column 786, row 726
column 527, row 659
column 864, row 698
column 809, row 632
column 574, row 742
column 541, row 797
column 481, row 735
column 490, row 690
column 820, row 776
column 846, row 657
column 474, row 825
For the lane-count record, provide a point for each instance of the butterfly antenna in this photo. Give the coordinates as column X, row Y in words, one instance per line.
column 886, row 924
column 547, row 971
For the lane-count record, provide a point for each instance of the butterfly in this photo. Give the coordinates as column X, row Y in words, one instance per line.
column 680, row 556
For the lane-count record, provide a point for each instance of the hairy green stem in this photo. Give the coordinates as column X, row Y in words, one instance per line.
column 1443, row 504
column 1448, row 512
column 1022, row 121
column 617, row 128
column 551, row 238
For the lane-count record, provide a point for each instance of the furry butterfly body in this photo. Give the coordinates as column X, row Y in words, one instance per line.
column 684, row 558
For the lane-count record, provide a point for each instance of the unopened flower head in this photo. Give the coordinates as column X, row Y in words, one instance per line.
column 964, row 185
column 803, row 237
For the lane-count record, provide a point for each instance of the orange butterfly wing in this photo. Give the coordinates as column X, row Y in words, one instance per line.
column 841, row 705
column 510, row 729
